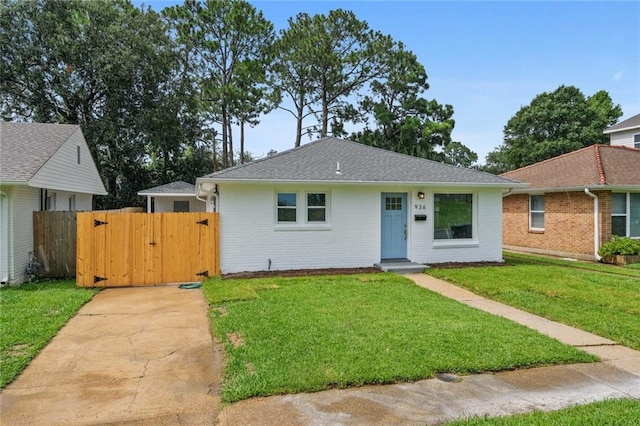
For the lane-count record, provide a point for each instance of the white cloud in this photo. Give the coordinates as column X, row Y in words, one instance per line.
column 617, row 76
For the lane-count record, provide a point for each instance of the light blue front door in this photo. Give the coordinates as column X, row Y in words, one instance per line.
column 394, row 226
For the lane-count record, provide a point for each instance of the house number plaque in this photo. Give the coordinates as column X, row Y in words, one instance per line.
column 420, row 206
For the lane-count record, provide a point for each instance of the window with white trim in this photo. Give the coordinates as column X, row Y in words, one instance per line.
column 536, row 212
column 316, row 207
column 625, row 214
column 287, row 207
column 636, row 141
column 452, row 216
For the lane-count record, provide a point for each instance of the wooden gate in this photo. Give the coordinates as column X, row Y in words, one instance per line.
column 145, row 249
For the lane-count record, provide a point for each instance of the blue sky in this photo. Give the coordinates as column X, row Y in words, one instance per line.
column 487, row 59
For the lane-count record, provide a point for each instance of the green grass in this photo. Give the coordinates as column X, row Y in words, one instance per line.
column 620, row 412
column 596, row 298
column 632, row 270
column 286, row 335
column 30, row 315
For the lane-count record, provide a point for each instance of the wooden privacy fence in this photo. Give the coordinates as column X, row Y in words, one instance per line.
column 144, row 249
column 54, row 242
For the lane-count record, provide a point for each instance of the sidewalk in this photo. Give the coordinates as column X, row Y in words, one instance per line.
column 130, row 356
column 435, row 401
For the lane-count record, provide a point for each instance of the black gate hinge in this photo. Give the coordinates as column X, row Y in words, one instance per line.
column 97, row 222
column 204, row 222
column 204, row 274
column 97, row 279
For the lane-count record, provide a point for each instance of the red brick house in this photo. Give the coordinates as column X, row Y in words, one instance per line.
column 575, row 202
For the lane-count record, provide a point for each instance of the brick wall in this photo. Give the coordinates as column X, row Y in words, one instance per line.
column 568, row 223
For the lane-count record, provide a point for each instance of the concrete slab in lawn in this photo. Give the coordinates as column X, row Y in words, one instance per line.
column 130, row 356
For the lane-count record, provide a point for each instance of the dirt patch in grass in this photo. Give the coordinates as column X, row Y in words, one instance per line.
column 236, row 339
column 301, row 273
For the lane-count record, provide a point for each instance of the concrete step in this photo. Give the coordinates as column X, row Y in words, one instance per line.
column 401, row 267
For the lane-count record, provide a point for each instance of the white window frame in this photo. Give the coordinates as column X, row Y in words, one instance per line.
column 308, row 207
column 626, row 214
column 294, row 208
column 444, row 243
column 635, row 140
column 302, row 222
column 531, row 212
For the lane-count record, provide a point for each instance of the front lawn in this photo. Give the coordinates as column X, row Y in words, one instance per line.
column 601, row 299
column 287, row 335
column 611, row 412
column 30, row 315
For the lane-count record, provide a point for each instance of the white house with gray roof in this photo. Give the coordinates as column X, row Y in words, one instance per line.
column 42, row 167
column 333, row 203
column 173, row 197
column 625, row 133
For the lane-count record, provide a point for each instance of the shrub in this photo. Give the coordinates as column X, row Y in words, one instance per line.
column 623, row 246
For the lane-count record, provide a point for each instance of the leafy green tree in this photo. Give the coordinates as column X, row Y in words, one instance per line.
column 321, row 60
column 227, row 43
column 405, row 121
column 104, row 65
column 459, row 155
column 554, row 123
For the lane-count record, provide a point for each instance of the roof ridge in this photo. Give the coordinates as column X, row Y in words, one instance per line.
column 602, row 179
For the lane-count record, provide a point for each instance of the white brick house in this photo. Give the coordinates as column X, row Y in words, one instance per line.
column 42, row 167
column 339, row 204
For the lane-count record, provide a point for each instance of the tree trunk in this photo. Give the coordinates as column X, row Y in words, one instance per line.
column 230, row 137
column 241, row 141
column 225, row 155
column 325, row 114
column 215, row 157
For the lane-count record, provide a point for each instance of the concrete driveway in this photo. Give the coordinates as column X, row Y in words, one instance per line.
column 130, row 356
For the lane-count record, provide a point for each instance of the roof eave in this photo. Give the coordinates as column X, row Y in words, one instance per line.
column 624, row 129
column 578, row 188
column 167, row 194
column 361, row 182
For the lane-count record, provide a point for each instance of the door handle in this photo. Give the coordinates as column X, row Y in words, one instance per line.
column 405, row 232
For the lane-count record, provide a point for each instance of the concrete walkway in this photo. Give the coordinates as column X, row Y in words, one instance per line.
column 436, row 401
column 132, row 356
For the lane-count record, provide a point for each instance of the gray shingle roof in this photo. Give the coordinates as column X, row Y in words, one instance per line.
column 629, row 123
column 179, row 187
column 26, row 147
column 317, row 162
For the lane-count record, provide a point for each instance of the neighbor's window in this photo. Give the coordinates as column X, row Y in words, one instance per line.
column 636, row 141
column 625, row 214
column 452, row 216
column 316, row 207
column 287, row 207
column 181, row 206
column 536, row 212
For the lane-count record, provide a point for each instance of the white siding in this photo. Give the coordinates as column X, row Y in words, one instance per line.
column 79, row 202
column 623, row 138
column 62, row 171
column 165, row 204
column 23, row 201
column 250, row 240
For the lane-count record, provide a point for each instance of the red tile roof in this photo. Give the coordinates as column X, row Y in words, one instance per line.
column 596, row 165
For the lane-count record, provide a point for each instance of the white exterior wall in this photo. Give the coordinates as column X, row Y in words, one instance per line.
column 165, row 204
column 83, row 202
column 23, row 200
column 62, row 171
column 623, row 138
column 250, row 237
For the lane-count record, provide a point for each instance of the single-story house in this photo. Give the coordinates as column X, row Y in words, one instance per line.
column 575, row 202
column 173, row 197
column 625, row 133
column 42, row 167
column 334, row 203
